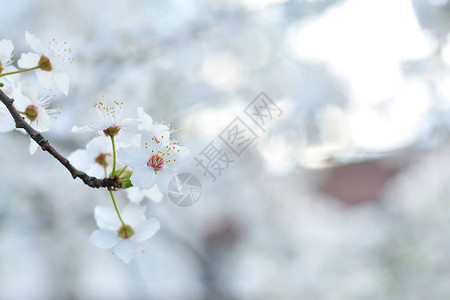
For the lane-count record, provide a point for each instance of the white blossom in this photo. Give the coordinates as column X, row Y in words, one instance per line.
column 6, row 48
column 93, row 159
column 109, row 119
column 155, row 162
column 112, row 233
column 37, row 111
column 148, row 126
column 51, row 60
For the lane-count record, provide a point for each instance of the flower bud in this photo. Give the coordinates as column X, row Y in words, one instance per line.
column 44, row 63
column 31, row 112
column 125, row 231
column 101, row 160
column 112, row 131
column 125, row 180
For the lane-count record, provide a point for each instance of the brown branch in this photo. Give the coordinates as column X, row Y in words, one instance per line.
column 110, row 183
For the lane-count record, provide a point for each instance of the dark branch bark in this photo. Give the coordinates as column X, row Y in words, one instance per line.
column 110, row 183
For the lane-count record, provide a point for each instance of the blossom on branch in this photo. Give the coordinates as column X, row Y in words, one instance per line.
column 109, row 122
column 94, row 159
column 49, row 59
column 36, row 110
column 156, row 162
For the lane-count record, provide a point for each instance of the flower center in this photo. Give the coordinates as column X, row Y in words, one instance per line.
column 110, row 113
column 112, row 131
column 101, row 160
column 44, row 63
column 125, row 232
column 1, row 67
column 156, row 162
column 31, row 112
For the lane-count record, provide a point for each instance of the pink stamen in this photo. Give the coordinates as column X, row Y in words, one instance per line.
column 156, row 162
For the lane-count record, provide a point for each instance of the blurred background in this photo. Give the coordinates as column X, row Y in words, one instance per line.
column 346, row 195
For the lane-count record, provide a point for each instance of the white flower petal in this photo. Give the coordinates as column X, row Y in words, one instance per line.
column 55, row 60
column 177, row 158
column 146, row 229
column 151, row 139
column 42, row 122
column 160, row 130
column 6, row 121
column 96, row 170
column 44, row 77
column 20, row 101
column 82, row 129
column 104, row 238
column 10, row 81
column 133, row 214
column 102, row 125
column 29, row 91
column 6, row 48
column 128, row 123
column 154, row 194
column 80, row 159
column 28, row 60
column 134, row 157
column 107, row 218
column 34, row 42
column 61, row 80
column 143, row 178
column 126, row 249
column 162, row 179
column 33, row 146
column 147, row 121
column 96, row 146
column 134, row 194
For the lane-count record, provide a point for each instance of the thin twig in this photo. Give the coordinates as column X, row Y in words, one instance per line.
column 110, row 183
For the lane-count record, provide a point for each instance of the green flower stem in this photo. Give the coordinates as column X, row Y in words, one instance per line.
column 121, row 171
column 114, row 155
column 123, row 179
column 20, row 71
column 115, row 206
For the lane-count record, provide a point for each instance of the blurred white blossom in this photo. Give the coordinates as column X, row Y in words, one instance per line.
column 51, row 60
column 124, row 240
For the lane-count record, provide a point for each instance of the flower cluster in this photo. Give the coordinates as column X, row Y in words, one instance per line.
column 142, row 162
column 47, row 62
column 147, row 159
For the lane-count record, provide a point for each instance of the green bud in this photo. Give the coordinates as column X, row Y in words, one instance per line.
column 124, row 179
column 112, row 131
column 44, row 64
column 31, row 112
column 125, row 232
